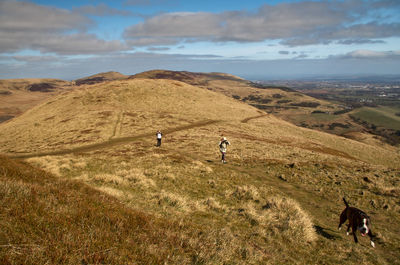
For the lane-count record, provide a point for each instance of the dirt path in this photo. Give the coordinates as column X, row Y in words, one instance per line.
column 113, row 142
column 252, row 118
column 118, row 125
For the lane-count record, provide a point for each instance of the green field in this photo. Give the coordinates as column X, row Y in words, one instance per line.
column 320, row 117
column 381, row 116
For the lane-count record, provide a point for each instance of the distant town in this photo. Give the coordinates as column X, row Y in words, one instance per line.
column 364, row 92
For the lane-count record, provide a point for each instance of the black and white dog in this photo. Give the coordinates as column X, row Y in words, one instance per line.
column 358, row 220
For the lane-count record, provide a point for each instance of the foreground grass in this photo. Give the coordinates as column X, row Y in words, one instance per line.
column 48, row 220
column 251, row 211
column 45, row 220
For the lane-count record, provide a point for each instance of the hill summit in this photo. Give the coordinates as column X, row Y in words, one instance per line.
column 99, row 78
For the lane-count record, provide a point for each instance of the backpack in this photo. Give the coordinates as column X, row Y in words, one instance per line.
column 221, row 145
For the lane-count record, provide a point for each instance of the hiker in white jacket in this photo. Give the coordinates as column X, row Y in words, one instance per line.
column 223, row 144
column 159, row 136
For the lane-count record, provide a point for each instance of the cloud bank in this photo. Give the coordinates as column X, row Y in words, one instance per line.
column 39, row 40
column 357, row 62
column 28, row 26
column 295, row 24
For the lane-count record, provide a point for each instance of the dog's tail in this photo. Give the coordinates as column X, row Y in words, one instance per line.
column 345, row 202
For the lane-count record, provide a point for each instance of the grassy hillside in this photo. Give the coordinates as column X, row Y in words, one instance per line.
column 46, row 220
column 382, row 121
column 380, row 117
column 99, row 78
column 22, row 94
column 283, row 102
column 263, row 97
column 19, row 95
column 31, row 83
column 122, row 109
column 295, row 107
column 277, row 201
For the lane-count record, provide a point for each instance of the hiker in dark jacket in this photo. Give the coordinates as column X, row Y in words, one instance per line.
column 159, row 136
column 223, row 144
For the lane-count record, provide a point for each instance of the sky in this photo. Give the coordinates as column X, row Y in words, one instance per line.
column 254, row 39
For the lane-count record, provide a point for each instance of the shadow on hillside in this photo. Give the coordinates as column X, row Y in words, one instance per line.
column 322, row 232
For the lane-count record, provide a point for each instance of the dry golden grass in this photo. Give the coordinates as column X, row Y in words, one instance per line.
column 23, row 84
column 101, row 77
column 15, row 98
column 212, row 196
column 277, row 200
column 285, row 217
column 50, row 221
column 113, row 110
column 56, row 227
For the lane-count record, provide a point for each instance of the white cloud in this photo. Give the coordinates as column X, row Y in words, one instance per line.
column 149, row 2
column 25, row 25
column 26, row 17
column 359, row 41
column 158, row 49
column 60, row 32
column 295, row 24
column 101, row 10
column 368, row 54
column 29, row 59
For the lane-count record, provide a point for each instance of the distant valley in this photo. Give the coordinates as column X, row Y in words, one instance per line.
column 369, row 105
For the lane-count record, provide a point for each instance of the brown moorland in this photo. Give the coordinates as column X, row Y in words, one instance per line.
column 20, row 95
column 285, row 103
column 99, row 78
column 276, row 201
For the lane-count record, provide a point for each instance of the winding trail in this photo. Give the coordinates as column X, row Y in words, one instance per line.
column 123, row 140
column 252, row 118
column 113, row 141
column 117, row 125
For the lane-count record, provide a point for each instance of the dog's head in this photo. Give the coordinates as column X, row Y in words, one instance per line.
column 364, row 224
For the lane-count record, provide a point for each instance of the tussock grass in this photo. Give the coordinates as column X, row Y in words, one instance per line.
column 213, row 204
column 233, row 197
column 47, row 220
column 168, row 199
column 244, row 193
column 284, row 217
column 55, row 165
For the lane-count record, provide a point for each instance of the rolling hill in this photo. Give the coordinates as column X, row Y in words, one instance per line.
column 277, row 200
column 99, row 78
column 297, row 108
column 20, row 95
column 283, row 102
column 267, row 98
